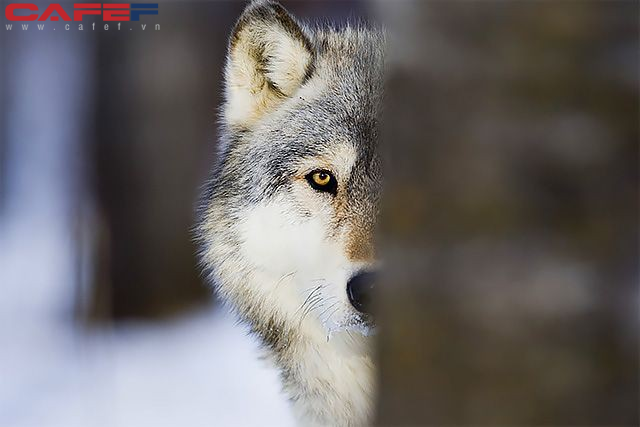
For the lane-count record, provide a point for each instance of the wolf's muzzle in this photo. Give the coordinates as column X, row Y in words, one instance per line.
column 360, row 290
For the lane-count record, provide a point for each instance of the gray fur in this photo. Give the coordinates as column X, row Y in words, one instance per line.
column 256, row 163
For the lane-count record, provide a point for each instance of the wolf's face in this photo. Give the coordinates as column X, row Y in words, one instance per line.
column 290, row 213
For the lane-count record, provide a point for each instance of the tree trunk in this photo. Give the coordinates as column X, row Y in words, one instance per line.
column 510, row 217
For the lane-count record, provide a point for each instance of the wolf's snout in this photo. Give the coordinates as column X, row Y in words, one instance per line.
column 360, row 290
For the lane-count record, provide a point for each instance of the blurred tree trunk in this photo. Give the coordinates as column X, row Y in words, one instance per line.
column 510, row 222
column 155, row 137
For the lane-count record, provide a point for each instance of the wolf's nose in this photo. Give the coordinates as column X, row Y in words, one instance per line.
column 360, row 289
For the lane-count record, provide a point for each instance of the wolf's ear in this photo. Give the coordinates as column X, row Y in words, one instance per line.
column 269, row 58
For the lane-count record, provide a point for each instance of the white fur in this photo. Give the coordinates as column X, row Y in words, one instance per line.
column 281, row 244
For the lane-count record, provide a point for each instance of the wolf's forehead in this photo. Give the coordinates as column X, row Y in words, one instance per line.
column 340, row 103
column 336, row 110
column 351, row 61
column 352, row 48
column 349, row 67
column 330, row 130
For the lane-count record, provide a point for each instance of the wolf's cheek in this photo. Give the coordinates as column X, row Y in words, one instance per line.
column 279, row 239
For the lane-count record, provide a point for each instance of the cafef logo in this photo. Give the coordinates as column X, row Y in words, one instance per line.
column 109, row 11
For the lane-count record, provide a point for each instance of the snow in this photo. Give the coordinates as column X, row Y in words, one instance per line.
column 200, row 370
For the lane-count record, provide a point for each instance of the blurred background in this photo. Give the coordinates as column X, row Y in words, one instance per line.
column 510, row 221
column 511, row 218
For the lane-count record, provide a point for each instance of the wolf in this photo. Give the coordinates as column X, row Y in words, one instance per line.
column 287, row 220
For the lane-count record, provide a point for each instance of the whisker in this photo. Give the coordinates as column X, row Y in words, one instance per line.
column 312, row 287
column 308, row 297
column 331, row 314
column 315, row 302
column 328, row 308
column 283, row 278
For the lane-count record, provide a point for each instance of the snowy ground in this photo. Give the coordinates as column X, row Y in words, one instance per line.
column 198, row 371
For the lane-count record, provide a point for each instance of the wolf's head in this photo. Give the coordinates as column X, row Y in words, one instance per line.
column 288, row 218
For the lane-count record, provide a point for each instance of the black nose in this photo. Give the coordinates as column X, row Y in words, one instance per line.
column 360, row 289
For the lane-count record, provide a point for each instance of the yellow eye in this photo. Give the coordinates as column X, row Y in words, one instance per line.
column 321, row 178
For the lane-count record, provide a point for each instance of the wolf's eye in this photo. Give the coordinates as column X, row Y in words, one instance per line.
column 322, row 180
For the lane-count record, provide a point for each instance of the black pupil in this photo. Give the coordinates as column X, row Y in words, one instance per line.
column 322, row 176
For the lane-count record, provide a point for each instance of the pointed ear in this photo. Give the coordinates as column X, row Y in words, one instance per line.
column 269, row 58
